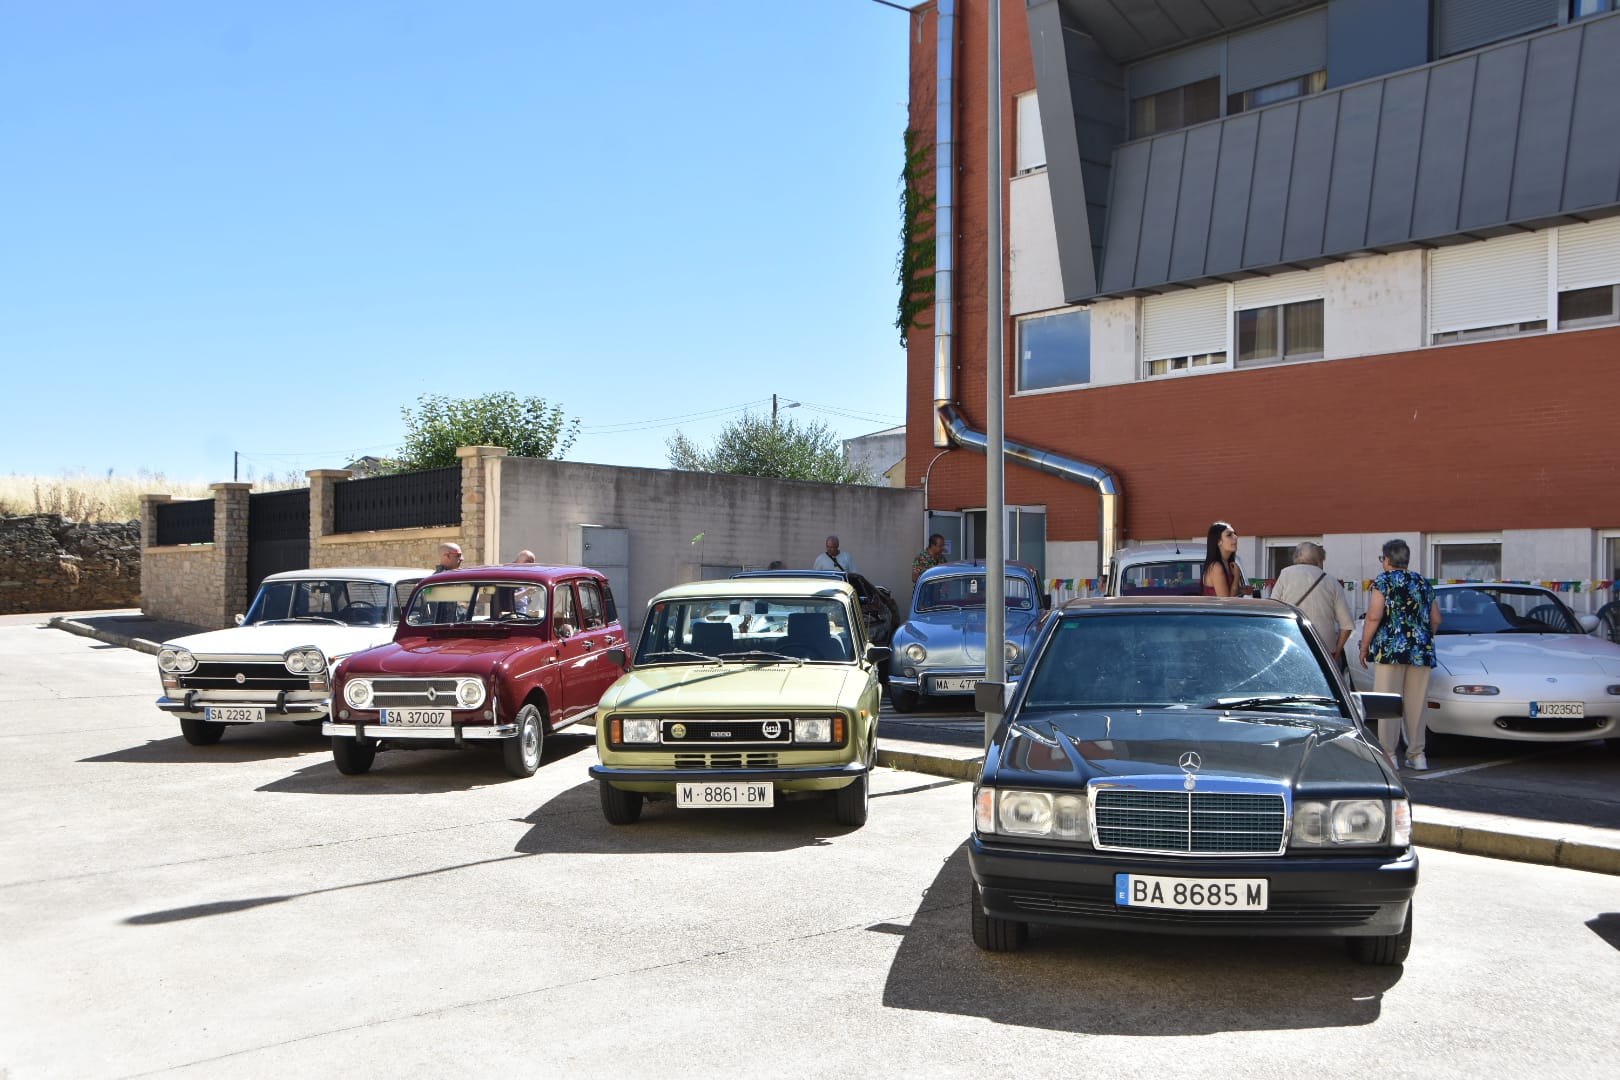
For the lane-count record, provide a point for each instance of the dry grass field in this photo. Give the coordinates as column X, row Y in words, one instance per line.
column 84, row 497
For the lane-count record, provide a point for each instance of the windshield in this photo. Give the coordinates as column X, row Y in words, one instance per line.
column 815, row 628
column 1185, row 659
column 1170, row 577
column 1487, row 610
column 333, row 600
column 464, row 602
column 956, row 591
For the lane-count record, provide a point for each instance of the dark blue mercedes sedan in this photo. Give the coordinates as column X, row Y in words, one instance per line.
column 1190, row 765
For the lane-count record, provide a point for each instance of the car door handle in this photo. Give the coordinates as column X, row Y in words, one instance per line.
column 587, row 645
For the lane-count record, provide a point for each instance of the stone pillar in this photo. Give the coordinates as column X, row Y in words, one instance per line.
column 322, row 498
column 475, row 501
column 149, row 505
column 231, row 547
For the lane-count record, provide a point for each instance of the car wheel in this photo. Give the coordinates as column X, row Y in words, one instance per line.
column 353, row 756
column 201, row 732
column 522, row 753
column 1385, row 951
column 902, row 700
column 992, row 934
column 850, row 802
column 619, row 807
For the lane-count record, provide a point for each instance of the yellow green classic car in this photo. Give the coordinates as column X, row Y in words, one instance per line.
column 742, row 692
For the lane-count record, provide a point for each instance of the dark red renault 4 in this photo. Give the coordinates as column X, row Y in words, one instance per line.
column 502, row 654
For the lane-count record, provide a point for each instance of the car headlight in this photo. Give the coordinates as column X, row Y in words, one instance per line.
column 357, row 692
column 470, row 693
column 306, row 661
column 178, row 661
column 1013, row 651
column 1475, row 688
column 1032, row 813
column 1347, row 821
column 818, row 729
column 636, row 731
column 1615, row 690
column 916, row 653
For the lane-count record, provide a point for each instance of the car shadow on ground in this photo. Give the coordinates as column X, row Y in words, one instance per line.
column 1607, row 927
column 572, row 823
column 1111, row 983
column 1575, row 783
column 413, row 772
column 245, row 742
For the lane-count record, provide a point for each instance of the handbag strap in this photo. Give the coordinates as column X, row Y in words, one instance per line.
column 1312, row 589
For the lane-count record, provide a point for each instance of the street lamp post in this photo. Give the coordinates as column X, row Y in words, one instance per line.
column 785, row 405
column 995, row 593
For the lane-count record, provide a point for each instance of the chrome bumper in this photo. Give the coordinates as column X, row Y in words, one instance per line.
column 191, row 707
column 783, row 774
column 454, row 733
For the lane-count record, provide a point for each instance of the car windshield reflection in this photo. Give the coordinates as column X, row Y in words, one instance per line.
column 958, row 591
column 336, row 600
column 1489, row 610
column 753, row 628
column 473, row 602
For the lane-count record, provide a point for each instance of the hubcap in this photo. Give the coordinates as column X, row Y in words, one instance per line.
column 531, row 742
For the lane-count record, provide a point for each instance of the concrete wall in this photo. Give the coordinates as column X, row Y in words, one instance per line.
column 745, row 521
column 48, row 563
column 1034, row 282
column 1373, row 305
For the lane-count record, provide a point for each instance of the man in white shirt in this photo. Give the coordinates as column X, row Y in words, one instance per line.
column 833, row 559
column 1310, row 588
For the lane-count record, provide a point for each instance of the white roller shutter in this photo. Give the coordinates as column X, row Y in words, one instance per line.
column 1184, row 323
column 1030, row 146
column 1489, row 283
column 1589, row 254
column 1277, row 289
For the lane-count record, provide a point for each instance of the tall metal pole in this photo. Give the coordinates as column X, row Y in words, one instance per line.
column 995, row 515
column 773, row 410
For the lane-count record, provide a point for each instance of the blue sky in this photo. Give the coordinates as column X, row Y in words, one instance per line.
column 267, row 227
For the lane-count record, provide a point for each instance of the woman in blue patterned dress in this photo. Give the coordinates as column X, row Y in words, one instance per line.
column 1402, row 616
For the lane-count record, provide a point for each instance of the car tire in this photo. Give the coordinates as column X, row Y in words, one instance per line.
column 904, row 701
column 992, row 934
column 851, row 802
column 619, row 807
column 1385, row 951
column 522, row 753
column 353, row 756
column 201, row 732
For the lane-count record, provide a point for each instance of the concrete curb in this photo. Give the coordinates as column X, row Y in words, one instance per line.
column 73, row 626
column 1439, row 835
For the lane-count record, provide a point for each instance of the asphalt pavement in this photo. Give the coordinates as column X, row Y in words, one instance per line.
column 1557, row 804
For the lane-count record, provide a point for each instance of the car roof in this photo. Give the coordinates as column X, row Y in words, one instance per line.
column 835, row 575
column 779, row 585
column 1240, row 605
column 535, row 572
column 1155, row 552
column 358, row 573
column 1493, row 585
column 968, row 566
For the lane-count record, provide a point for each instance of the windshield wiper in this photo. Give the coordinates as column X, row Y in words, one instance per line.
column 762, row 654
column 673, row 652
column 1257, row 701
column 313, row 618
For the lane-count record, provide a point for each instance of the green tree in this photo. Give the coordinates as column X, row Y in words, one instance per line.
column 760, row 446
column 527, row 427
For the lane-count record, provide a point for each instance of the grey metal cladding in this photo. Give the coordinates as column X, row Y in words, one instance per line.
column 1592, row 173
column 1549, row 96
column 1131, row 29
column 1234, row 176
column 1354, row 149
column 1395, row 166
column 1277, row 51
column 1268, row 193
column 1493, row 137
column 1367, row 38
column 1125, row 210
column 1438, row 198
column 1313, row 171
column 1193, row 210
column 1158, row 228
column 1468, row 24
column 1056, row 85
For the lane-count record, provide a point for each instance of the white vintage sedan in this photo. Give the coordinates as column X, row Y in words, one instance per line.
column 1514, row 662
column 277, row 663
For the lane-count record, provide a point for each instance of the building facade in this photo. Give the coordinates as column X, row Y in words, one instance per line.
column 1340, row 271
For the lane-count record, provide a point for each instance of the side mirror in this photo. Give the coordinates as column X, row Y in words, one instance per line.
column 618, row 657
column 877, row 654
column 1046, row 601
column 1380, row 706
column 992, row 697
column 1589, row 623
column 240, row 619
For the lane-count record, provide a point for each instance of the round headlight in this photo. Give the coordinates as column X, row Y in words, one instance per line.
column 1358, row 821
column 916, row 653
column 1013, row 651
column 470, row 693
column 179, row 661
column 166, row 659
column 1025, row 813
column 357, row 692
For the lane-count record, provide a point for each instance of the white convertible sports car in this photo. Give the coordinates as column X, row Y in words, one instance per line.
column 276, row 664
column 1514, row 662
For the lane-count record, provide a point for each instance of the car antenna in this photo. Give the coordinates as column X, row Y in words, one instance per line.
column 1175, row 536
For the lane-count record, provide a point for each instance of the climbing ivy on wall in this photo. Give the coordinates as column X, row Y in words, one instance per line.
column 915, row 265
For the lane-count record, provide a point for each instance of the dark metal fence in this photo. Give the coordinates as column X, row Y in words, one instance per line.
column 278, row 534
column 190, row 522
column 413, row 500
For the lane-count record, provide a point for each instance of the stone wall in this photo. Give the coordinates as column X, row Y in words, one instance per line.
column 48, row 563
column 391, row 547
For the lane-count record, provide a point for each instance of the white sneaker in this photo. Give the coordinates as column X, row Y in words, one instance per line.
column 1418, row 763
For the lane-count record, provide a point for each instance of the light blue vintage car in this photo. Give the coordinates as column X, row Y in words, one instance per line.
column 939, row 652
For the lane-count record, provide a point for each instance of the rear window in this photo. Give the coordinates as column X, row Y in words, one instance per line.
column 1170, row 577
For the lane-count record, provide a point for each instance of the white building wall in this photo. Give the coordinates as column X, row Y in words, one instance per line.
column 1113, row 342
column 1548, row 554
column 1373, row 305
column 1034, row 281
